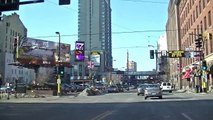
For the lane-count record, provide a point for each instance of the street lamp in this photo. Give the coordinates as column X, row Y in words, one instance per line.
column 59, row 44
column 59, row 54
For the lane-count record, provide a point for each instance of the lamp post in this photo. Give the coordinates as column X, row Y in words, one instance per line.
column 59, row 44
column 59, row 54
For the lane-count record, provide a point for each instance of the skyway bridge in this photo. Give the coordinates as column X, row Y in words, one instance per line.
column 140, row 77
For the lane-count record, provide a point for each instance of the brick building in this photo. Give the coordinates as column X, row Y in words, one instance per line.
column 194, row 17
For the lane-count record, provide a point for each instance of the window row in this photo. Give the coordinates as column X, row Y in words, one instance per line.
column 204, row 24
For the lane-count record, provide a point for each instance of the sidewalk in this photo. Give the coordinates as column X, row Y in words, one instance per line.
column 40, row 98
column 49, row 99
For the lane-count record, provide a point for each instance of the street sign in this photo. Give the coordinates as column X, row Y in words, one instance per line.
column 176, row 53
column 58, row 81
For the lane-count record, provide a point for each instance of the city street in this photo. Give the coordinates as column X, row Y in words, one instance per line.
column 113, row 106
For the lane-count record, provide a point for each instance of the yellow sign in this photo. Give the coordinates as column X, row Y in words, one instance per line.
column 176, row 53
column 95, row 53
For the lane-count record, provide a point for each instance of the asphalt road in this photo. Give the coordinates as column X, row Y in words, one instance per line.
column 171, row 107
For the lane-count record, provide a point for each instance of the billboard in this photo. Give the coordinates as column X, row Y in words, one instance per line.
column 79, row 51
column 36, row 51
column 95, row 57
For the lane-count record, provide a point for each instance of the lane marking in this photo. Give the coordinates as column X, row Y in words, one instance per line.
column 186, row 116
column 103, row 115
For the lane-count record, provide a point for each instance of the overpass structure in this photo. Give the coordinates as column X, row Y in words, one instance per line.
column 140, row 77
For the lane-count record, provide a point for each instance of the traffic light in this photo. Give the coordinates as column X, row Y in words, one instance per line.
column 198, row 42
column 152, row 54
column 64, row 2
column 8, row 5
column 61, row 71
column 204, row 65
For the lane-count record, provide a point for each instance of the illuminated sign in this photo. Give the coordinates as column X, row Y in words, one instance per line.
column 79, row 51
column 176, row 53
column 95, row 57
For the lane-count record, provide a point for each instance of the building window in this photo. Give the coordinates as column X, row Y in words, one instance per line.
column 201, row 27
column 205, row 23
column 194, row 16
column 204, row 3
column 196, row 11
column 198, row 30
column 211, row 46
column 200, row 7
column 191, row 20
column 209, row 18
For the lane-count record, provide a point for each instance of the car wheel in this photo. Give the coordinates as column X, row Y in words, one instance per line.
column 170, row 91
column 145, row 97
column 160, row 97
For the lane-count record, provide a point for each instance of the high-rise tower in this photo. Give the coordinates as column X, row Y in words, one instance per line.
column 94, row 28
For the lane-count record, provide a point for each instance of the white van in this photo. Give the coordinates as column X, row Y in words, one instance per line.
column 166, row 86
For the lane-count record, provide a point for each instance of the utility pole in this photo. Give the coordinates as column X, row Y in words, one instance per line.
column 59, row 64
column 127, row 66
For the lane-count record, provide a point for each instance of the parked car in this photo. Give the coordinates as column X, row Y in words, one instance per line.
column 66, row 88
column 79, row 88
column 152, row 90
column 5, row 89
column 120, row 87
column 100, row 86
column 141, row 88
column 112, row 88
column 166, row 86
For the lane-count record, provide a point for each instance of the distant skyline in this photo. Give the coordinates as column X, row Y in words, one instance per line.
column 135, row 25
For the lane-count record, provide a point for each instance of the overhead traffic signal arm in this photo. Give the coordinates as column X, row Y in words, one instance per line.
column 6, row 5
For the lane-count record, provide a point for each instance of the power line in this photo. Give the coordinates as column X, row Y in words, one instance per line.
column 129, row 47
column 144, row 1
column 124, row 32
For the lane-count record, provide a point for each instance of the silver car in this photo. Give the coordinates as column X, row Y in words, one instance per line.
column 153, row 90
column 141, row 88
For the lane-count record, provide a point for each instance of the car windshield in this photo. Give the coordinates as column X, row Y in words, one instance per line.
column 152, row 86
column 106, row 59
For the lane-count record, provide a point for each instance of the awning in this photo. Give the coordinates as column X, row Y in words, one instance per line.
column 187, row 74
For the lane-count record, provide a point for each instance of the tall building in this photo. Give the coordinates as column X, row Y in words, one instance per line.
column 132, row 65
column 94, row 28
column 162, row 61
column 10, row 27
column 173, row 41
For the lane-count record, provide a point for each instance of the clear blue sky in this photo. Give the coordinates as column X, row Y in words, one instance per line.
column 43, row 19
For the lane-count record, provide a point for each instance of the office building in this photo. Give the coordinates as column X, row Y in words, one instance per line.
column 94, row 28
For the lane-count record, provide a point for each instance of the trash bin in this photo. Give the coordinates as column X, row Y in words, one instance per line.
column 54, row 92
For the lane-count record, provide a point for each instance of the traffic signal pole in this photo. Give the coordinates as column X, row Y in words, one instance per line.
column 59, row 64
column 199, row 43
